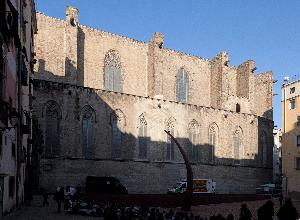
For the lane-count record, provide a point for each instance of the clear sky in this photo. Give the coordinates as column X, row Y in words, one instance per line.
column 266, row 31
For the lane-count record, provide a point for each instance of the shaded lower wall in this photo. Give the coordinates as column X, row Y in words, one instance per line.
column 146, row 177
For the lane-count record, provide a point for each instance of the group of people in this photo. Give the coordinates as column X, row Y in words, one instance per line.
column 265, row 212
column 119, row 212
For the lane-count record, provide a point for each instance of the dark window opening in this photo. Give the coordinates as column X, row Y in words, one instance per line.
column 292, row 90
column 298, row 140
column 238, row 108
column 11, row 187
column 13, row 150
column 297, row 163
column 72, row 22
column 1, row 136
column 292, row 104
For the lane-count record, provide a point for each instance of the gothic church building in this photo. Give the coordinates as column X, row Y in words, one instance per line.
column 102, row 102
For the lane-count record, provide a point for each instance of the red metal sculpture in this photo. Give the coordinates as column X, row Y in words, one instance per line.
column 189, row 173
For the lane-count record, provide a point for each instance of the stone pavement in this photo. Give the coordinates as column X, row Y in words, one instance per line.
column 37, row 212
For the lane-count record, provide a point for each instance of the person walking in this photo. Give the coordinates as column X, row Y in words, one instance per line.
column 245, row 213
column 287, row 211
column 266, row 211
column 45, row 198
column 59, row 197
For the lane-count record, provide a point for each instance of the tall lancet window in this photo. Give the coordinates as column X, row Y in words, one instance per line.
column 170, row 150
column 213, row 141
column 117, row 126
column 182, row 86
column 142, row 139
column 88, row 119
column 112, row 72
column 237, row 146
column 263, row 150
column 52, row 118
column 193, row 149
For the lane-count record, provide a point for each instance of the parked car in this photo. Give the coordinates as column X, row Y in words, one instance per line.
column 199, row 186
column 104, row 185
column 269, row 189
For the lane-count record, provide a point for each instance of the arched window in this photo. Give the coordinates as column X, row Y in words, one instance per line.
column 142, row 140
column 193, row 150
column 263, row 150
column 52, row 118
column 117, row 123
column 88, row 119
column 182, row 86
column 112, row 72
column 170, row 151
column 213, row 140
column 237, row 146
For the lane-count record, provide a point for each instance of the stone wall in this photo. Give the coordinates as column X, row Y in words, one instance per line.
column 148, row 69
column 70, row 71
column 157, row 112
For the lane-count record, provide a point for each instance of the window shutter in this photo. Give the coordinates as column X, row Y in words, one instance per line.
column 90, row 139
column 143, row 142
column 178, row 87
column 236, row 147
column 117, row 80
column 106, row 78
column 116, row 142
column 52, row 133
column 191, row 146
column 182, row 86
column 186, row 87
column 84, row 137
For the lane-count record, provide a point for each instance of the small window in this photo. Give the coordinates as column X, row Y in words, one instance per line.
column 292, row 90
column 13, row 150
column 1, row 143
column 298, row 120
column 292, row 104
column 298, row 140
column 11, row 189
column 238, row 107
column 297, row 163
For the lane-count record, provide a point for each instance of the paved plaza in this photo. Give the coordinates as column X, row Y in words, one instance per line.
column 37, row 212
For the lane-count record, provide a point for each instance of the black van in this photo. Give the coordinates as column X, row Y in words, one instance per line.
column 105, row 185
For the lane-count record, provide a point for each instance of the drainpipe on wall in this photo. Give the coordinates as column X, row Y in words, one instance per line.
column 284, row 136
column 19, row 94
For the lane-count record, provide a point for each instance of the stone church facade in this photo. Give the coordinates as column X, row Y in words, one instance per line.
column 102, row 103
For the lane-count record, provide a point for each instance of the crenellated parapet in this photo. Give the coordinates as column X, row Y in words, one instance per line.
column 76, row 54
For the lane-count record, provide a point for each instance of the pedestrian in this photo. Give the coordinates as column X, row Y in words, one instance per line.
column 59, row 197
column 230, row 217
column 245, row 213
column 266, row 211
column 280, row 199
column 287, row 211
column 45, row 198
